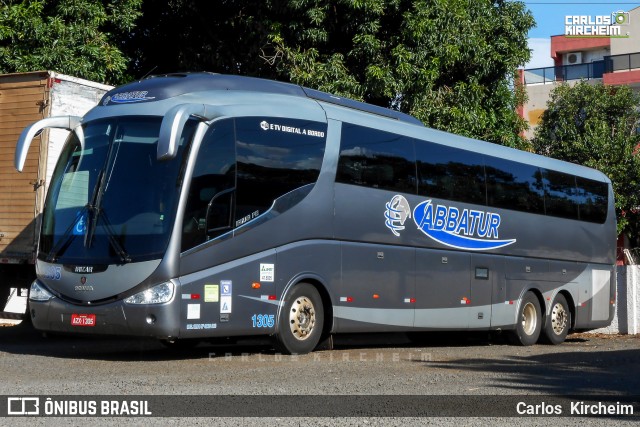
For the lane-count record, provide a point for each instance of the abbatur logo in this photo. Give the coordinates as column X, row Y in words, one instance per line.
column 397, row 212
column 468, row 229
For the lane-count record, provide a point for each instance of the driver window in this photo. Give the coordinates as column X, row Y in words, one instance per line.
column 209, row 209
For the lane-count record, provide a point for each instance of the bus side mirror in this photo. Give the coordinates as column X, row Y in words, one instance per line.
column 69, row 123
column 173, row 124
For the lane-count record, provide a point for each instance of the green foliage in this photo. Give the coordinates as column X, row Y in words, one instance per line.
column 450, row 63
column 223, row 36
column 597, row 126
column 76, row 37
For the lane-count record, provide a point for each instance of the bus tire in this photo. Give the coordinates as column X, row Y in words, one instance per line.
column 301, row 320
column 558, row 322
column 528, row 322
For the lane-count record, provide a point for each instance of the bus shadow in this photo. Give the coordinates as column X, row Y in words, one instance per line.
column 560, row 373
column 24, row 339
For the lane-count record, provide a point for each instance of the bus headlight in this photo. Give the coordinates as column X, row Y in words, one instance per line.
column 157, row 295
column 39, row 292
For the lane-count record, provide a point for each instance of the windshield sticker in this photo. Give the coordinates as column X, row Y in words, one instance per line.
column 266, row 126
column 458, row 228
column 128, row 97
column 81, row 224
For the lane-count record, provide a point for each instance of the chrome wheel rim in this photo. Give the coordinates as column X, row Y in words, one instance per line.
column 529, row 319
column 559, row 319
column 302, row 318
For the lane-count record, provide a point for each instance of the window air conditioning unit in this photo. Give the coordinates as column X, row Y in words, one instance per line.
column 572, row 58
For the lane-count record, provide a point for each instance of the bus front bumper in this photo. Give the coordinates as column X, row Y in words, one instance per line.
column 118, row 318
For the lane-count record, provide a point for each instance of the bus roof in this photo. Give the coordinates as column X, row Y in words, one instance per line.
column 157, row 88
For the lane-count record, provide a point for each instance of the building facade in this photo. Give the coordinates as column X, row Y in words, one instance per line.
column 612, row 59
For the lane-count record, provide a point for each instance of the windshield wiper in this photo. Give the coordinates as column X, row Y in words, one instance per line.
column 65, row 240
column 117, row 246
column 95, row 214
column 94, row 209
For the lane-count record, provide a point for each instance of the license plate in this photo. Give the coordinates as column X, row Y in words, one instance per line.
column 83, row 320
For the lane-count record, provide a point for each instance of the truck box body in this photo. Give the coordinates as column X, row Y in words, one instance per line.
column 26, row 98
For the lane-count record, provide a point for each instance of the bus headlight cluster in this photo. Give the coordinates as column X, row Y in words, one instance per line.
column 39, row 292
column 157, row 295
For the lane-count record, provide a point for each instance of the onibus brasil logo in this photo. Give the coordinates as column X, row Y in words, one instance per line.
column 469, row 229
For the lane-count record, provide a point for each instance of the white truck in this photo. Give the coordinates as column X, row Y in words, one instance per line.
column 24, row 99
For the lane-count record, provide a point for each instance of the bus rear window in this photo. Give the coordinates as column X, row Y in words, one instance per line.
column 593, row 196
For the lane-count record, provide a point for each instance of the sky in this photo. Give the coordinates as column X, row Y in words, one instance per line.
column 550, row 16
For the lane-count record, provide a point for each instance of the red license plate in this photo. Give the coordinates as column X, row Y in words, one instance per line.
column 83, row 320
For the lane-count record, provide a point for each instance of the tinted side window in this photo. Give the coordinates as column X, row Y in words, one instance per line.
column 450, row 173
column 593, row 197
column 377, row 159
column 560, row 194
column 275, row 156
column 209, row 210
column 512, row 185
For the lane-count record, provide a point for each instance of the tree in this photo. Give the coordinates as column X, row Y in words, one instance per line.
column 76, row 37
column 597, row 126
column 223, row 36
column 450, row 63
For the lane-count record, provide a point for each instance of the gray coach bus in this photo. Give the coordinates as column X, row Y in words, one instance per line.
column 192, row 206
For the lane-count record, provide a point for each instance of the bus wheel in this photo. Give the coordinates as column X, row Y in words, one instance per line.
column 529, row 321
column 301, row 320
column 559, row 321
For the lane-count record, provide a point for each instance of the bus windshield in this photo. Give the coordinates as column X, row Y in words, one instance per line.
column 112, row 201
